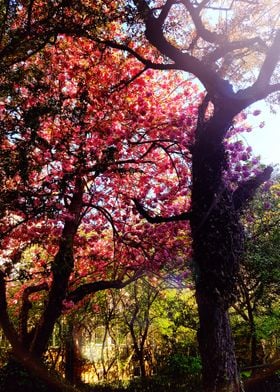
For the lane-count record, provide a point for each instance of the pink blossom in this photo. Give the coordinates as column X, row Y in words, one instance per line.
column 255, row 160
column 67, row 304
column 244, row 156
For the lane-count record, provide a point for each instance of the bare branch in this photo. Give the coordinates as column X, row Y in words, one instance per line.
column 29, row 15
column 160, row 219
column 272, row 88
column 203, row 4
column 26, row 306
column 204, row 33
column 218, row 88
column 126, row 82
column 107, row 215
column 214, row 84
column 165, row 11
column 261, row 88
column 116, row 45
column 271, row 369
column 93, row 287
column 227, row 47
column 20, row 352
column 147, row 63
column 270, row 63
column 240, row 312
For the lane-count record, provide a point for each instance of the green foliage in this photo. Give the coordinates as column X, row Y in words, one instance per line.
column 256, row 312
column 263, row 242
column 164, row 384
column 245, row 374
column 150, row 384
column 179, row 365
column 177, row 318
column 268, row 323
column 182, row 371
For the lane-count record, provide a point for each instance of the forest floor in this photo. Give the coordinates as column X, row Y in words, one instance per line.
column 15, row 379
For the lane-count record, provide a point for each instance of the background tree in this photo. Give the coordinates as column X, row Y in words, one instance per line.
column 210, row 50
column 138, row 318
column 258, row 281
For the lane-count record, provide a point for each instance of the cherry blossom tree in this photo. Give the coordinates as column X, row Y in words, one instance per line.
column 77, row 148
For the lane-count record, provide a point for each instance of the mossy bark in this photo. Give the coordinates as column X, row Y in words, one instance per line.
column 217, row 246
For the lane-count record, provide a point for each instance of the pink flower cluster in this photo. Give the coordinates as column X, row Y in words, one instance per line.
column 67, row 305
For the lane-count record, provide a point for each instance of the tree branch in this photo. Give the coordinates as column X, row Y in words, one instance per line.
column 5, row 321
column 217, row 87
column 204, row 33
column 272, row 88
column 148, row 63
column 25, row 307
column 261, row 88
column 246, row 190
column 240, row 312
column 160, row 219
column 270, row 63
column 214, row 84
column 227, row 47
column 126, row 82
column 268, row 371
column 203, row 4
column 21, row 354
column 91, row 288
column 165, row 11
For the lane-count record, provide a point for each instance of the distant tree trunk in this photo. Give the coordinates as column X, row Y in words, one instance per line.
column 71, row 373
column 254, row 344
column 139, row 352
column 217, row 245
column 253, row 336
column 142, row 364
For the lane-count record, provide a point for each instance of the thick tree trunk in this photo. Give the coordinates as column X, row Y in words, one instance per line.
column 216, row 345
column 217, row 245
column 214, row 292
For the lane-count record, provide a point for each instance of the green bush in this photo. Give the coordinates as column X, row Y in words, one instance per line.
column 159, row 383
column 180, row 365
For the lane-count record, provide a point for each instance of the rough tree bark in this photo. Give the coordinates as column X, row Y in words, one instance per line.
column 217, row 244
